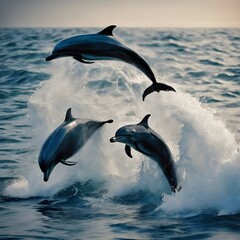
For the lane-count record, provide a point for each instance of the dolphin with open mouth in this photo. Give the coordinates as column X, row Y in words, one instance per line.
column 103, row 45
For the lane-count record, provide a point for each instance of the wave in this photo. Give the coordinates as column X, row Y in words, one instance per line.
column 175, row 46
column 210, row 62
column 197, row 74
column 205, row 151
column 227, row 76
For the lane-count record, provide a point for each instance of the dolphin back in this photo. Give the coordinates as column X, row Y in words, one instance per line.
column 164, row 158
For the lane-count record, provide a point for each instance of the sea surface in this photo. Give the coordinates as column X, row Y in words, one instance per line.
column 107, row 195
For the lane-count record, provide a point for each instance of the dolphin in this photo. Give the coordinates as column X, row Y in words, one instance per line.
column 103, row 46
column 66, row 141
column 143, row 139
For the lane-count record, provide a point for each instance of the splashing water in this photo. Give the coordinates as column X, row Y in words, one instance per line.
column 205, row 152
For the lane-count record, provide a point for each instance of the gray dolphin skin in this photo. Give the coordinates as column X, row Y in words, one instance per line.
column 103, row 46
column 143, row 139
column 66, row 141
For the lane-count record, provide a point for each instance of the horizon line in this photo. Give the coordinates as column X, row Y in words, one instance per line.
column 169, row 27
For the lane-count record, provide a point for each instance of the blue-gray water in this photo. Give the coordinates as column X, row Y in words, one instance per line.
column 108, row 195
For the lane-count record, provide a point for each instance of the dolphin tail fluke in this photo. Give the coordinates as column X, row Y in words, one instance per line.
column 157, row 87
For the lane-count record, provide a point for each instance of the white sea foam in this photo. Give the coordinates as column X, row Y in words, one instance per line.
column 205, row 152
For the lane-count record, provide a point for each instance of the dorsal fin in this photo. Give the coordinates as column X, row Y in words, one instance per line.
column 107, row 31
column 69, row 115
column 144, row 122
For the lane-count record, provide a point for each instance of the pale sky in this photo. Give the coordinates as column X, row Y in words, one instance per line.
column 123, row 13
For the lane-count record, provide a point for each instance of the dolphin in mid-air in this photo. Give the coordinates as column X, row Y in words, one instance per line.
column 143, row 139
column 103, row 46
column 66, row 141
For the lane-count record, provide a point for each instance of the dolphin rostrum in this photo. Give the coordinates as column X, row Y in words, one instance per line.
column 143, row 139
column 103, row 46
column 66, row 141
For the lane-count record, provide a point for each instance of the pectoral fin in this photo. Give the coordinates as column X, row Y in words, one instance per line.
column 68, row 163
column 80, row 59
column 128, row 151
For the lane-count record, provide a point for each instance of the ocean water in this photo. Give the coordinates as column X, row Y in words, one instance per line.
column 107, row 195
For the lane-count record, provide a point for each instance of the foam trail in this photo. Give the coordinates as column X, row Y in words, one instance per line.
column 206, row 153
column 92, row 94
column 207, row 156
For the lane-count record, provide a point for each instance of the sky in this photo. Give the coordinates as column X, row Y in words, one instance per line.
column 123, row 13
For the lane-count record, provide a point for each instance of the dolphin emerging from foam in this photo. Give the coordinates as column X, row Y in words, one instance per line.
column 143, row 139
column 103, row 46
column 65, row 141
